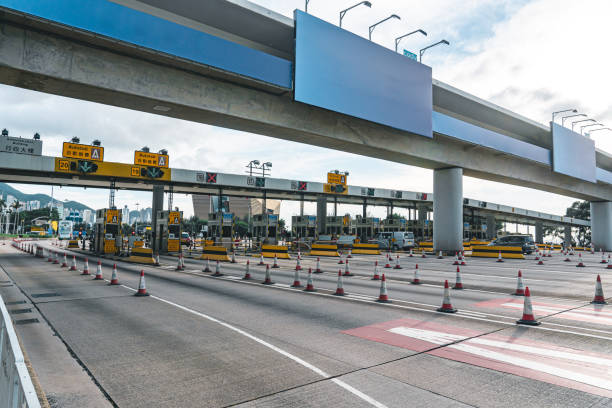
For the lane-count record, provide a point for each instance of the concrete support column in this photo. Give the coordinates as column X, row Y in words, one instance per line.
column 568, row 236
column 491, row 227
column 601, row 225
column 539, row 232
column 448, row 210
column 302, row 205
column 156, row 205
column 321, row 214
column 421, row 216
column 364, row 210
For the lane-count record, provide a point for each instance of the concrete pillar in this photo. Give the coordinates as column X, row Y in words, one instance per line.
column 568, row 236
column 364, row 210
column 302, row 205
column 601, row 225
column 448, row 210
column 491, row 227
column 539, row 232
column 321, row 214
column 421, row 216
column 157, row 205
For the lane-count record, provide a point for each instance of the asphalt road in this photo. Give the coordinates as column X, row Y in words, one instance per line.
column 207, row 341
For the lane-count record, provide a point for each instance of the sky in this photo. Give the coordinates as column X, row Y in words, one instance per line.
column 532, row 57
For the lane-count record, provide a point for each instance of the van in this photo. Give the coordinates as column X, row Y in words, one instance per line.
column 394, row 240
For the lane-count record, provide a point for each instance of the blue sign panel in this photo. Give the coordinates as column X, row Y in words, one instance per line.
column 410, row 55
column 125, row 24
column 573, row 154
column 342, row 72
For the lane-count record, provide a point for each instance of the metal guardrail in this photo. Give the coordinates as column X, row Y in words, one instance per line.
column 16, row 389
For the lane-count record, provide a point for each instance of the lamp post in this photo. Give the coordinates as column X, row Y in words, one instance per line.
column 343, row 12
column 581, row 121
column 597, row 130
column 398, row 39
column 373, row 26
column 592, row 124
column 562, row 111
column 306, row 6
column 422, row 51
column 262, row 169
column 570, row 116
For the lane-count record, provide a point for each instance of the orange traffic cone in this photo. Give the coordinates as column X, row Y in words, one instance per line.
column 142, row 289
column 114, row 278
column 339, row 288
column 318, row 268
column 217, row 269
column 499, row 257
column 347, row 272
column 268, row 278
column 520, row 290
column 247, row 271
column 580, row 264
column 447, row 307
column 275, row 264
column 397, row 263
column 416, row 280
column 296, row 279
column 599, row 296
column 309, row 284
column 376, row 276
column 383, row 297
column 458, row 283
column 528, row 316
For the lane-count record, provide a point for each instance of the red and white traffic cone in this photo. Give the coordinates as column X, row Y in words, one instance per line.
column 275, row 264
column 233, row 257
column 376, row 275
column 182, row 262
column 423, row 253
column 296, row 279
column 416, row 280
column 456, row 259
column 397, row 263
column 114, row 278
column 410, row 255
column 309, row 283
column 499, row 257
column 261, row 261
column 440, row 255
column 603, row 258
column 207, row 267
column 339, row 288
column 580, row 264
column 98, row 275
column 447, row 307
column 298, row 264
column 347, row 271
column 463, row 258
column 540, row 262
column 340, row 261
column 318, row 268
column 549, row 254
column 520, row 289
column 73, row 266
column 268, row 278
column 64, row 262
column 388, row 260
column 384, row 296
column 179, row 267
column 156, row 259
column 217, row 269
column 247, row 271
column 142, row 289
column 537, row 257
column 528, row 316
column 50, row 256
column 85, row 267
column 458, row 283
column 567, row 259
column 599, row 296
column 55, row 260
column 350, row 253
column 609, row 263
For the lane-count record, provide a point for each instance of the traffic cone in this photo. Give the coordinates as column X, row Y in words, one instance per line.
column 537, row 257
column 55, row 260
column 416, row 280
column 350, row 253
column 520, row 289
column 340, row 261
column 64, row 262
column 182, row 262
column 347, row 272
column 499, row 257
column 114, row 278
column 423, row 254
column 98, row 275
column 440, row 255
column 567, row 259
column 456, row 259
column 85, row 268
column 549, row 254
column 609, row 263
column 580, row 264
column 603, row 258
column 528, row 316
column 599, row 296
column 179, row 267
column 50, row 256
column 339, row 288
column 261, row 261
column 383, row 297
column 387, row 264
column 376, row 276
column 410, row 255
column 318, row 268
column 142, row 289
column 156, row 259
column 309, row 284
column 275, row 264
column 296, row 279
column 268, row 278
column 298, row 266
column 458, row 283
column 247, row 271
column 540, row 262
column 463, row 259
column 397, row 263
column 446, row 302
column 73, row 266
column 233, row 257
column 207, row 268
column 217, row 269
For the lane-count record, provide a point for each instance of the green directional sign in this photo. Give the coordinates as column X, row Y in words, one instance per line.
column 86, row 166
column 152, row 172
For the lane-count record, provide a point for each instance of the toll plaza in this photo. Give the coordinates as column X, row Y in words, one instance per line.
column 169, row 229
column 394, row 225
column 304, row 227
column 265, row 228
column 108, row 238
column 365, row 228
column 221, row 228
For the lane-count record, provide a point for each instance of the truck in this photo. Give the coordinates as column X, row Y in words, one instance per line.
column 65, row 229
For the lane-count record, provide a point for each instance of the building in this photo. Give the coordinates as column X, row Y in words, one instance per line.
column 88, row 217
column 206, row 204
column 125, row 215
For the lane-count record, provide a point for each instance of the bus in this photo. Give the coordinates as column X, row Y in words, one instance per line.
column 64, row 230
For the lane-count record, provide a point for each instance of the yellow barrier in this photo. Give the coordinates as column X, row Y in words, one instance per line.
column 138, row 244
column 426, row 246
column 366, row 249
column 485, row 251
column 324, row 250
column 557, row 247
column 215, row 253
column 281, row 251
column 73, row 243
column 208, row 242
column 479, row 242
column 467, row 246
column 142, row 255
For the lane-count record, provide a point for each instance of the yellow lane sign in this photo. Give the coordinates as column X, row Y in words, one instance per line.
column 333, row 178
column 81, row 151
column 151, row 159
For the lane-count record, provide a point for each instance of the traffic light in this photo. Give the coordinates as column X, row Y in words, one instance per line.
column 86, row 166
column 151, row 172
column 339, row 188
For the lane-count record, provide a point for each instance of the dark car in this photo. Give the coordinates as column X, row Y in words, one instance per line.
column 524, row 241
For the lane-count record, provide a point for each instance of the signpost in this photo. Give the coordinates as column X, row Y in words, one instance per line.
column 81, row 151
column 151, row 159
column 19, row 145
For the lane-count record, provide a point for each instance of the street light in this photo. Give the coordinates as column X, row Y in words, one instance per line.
column 398, row 39
column 422, row 51
column 570, row 116
column 343, row 12
column 597, row 130
column 562, row 111
column 592, row 124
column 306, row 6
column 373, row 26
column 583, row 120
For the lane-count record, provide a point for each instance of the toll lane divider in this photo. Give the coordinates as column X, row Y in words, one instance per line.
column 215, row 253
column 324, row 250
column 270, row 251
column 366, row 249
column 426, row 246
column 509, row 252
column 142, row 255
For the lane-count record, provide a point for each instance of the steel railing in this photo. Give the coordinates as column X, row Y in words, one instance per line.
column 16, row 389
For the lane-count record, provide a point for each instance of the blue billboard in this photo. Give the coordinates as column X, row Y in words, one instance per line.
column 345, row 73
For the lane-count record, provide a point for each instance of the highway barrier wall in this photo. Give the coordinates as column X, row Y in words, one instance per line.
column 366, row 249
column 142, row 255
column 485, row 251
column 215, row 253
column 280, row 251
column 324, row 250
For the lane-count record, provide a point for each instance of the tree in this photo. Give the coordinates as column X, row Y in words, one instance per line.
column 582, row 211
column 16, row 205
column 2, row 207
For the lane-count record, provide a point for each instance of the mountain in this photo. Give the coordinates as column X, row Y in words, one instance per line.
column 44, row 199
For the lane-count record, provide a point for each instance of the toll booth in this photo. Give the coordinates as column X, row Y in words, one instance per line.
column 261, row 222
column 169, row 231
column 304, row 226
column 337, row 225
column 221, row 228
column 366, row 228
column 394, row 225
column 107, row 232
